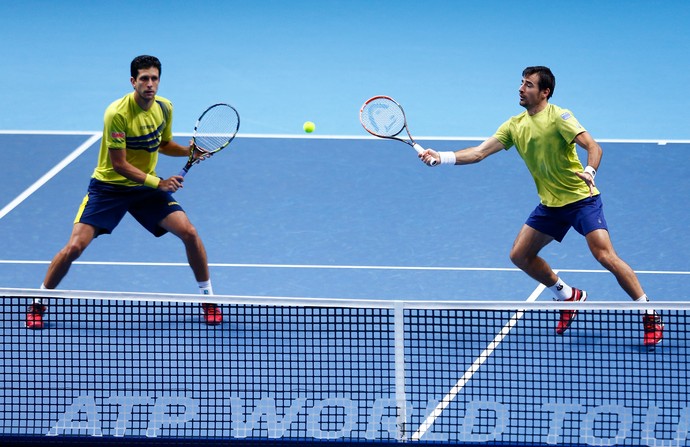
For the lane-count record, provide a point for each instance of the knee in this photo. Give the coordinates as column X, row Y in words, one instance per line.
column 518, row 258
column 188, row 234
column 73, row 250
column 606, row 258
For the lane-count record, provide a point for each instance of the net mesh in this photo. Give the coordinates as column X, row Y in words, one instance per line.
column 117, row 368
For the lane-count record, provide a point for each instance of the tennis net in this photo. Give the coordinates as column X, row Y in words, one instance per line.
column 143, row 368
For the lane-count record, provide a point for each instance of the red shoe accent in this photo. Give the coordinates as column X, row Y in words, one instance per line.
column 34, row 316
column 653, row 330
column 212, row 314
column 567, row 316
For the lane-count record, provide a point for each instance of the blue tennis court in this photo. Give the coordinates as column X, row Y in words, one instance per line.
column 324, row 220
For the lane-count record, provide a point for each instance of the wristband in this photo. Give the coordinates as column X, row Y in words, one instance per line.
column 151, row 181
column 447, row 158
column 591, row 171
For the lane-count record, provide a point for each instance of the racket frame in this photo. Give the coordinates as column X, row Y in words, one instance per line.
column 410, row 141
column 191, row 161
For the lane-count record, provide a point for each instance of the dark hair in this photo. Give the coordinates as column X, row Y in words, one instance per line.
column 546, row 78
column 142, row 62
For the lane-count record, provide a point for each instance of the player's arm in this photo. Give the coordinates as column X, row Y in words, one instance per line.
column 118, row 158
column 594, row 153
column 173, row 149
column 465, row 156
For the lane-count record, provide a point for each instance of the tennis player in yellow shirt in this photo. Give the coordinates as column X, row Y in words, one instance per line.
column 545, row 136
column 137, row 127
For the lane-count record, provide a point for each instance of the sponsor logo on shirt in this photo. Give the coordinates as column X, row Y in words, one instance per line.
column 117, row 135
column 566, row 115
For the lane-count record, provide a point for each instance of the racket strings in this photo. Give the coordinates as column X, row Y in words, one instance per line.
column 383, row 117
column 216, row 128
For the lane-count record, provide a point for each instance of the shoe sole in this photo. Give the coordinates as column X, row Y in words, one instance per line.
column 562, row 331
column 651, row 347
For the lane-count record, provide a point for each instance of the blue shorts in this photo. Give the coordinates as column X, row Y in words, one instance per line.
column 105, row 205
column 585, row 216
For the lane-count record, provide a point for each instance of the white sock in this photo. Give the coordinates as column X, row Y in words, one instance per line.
column 562, row 290
column 205, row 287
column 39, row 300
column 644, row 299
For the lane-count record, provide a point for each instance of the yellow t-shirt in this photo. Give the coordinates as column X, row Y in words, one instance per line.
column 140, row 132
column 545, row 143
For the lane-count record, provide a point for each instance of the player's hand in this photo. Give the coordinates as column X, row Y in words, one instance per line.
column 172, row 184
column 430, row 155
column 199, row 153
column 587, row 178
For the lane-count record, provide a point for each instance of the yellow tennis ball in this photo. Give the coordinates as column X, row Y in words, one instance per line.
column 309, row 127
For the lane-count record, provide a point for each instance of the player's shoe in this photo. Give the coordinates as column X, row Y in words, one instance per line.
column 34, row 316
column 212, row 314
column 653, row 330
column 567, row 316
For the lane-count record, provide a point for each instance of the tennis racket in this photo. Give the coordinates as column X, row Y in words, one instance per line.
column 214, row 130
column 383, row 117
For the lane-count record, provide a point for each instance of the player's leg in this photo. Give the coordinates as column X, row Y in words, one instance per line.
column 81, row 237
column 525, row 255
column 600, row 245
column 599, row 242
column 100, row 212
column 179, row 224
column 159, row 213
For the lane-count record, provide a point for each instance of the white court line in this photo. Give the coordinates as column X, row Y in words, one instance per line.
column 334, row 267
column 48, row 175
column 659, row 141
column 429, row 421
column 48, row 132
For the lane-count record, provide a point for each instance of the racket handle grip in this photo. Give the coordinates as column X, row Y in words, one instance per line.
column 183, row 172
column 420, row 149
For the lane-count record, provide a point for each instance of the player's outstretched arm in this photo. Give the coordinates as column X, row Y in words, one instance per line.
column 465, row 156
